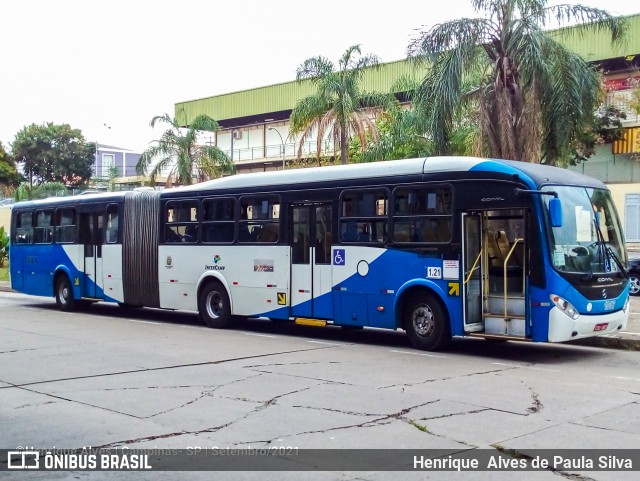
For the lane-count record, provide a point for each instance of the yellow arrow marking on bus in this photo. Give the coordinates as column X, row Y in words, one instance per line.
column 454, row 289
column 76, row 281
column 282, row 298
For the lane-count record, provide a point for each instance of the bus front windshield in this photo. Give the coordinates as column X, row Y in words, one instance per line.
column 590, row 239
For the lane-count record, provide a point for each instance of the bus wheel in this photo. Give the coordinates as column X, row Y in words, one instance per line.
column 426, row 323
column 214, row 306
column 64, row 294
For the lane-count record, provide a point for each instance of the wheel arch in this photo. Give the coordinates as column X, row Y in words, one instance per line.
column 408, row 289
column 63, row 270
column 214, row 276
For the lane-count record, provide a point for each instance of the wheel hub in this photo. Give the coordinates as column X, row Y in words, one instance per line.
column 423, row 321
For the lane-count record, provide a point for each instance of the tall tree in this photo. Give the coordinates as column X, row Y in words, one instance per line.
column 54, row 153
column 534, row 94
column 8, row 173
column 179, row 150
column 338, row 108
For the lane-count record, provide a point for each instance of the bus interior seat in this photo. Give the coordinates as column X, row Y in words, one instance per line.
column 269, row 233
column 496, row 259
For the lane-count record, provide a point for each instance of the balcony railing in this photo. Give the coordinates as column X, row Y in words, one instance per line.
column 274, row 152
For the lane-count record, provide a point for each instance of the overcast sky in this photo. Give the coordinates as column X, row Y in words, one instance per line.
column 108, row 66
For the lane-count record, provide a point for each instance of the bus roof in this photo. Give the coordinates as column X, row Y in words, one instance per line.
column 536, row 175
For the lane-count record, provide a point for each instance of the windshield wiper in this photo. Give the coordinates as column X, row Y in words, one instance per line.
column 606, row 252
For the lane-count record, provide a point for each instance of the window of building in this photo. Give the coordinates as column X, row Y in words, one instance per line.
column 364, row 216
column 108, row 163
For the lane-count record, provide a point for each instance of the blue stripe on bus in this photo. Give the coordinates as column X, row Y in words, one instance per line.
column 497, row 166
column 357, row 299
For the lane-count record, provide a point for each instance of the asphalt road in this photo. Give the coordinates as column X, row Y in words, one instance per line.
column 107, row 377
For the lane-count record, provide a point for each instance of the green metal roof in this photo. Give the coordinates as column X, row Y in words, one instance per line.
column 283, row 97
column 596, row 46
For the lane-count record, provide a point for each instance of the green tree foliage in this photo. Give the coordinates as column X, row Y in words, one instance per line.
column 338, row 108
column 533, row 94
column 26, row 191
column 4, row 246
column 54, row 153
column 179, row 150
column 8, row 173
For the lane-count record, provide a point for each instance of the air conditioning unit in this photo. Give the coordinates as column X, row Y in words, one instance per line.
column 237, row 134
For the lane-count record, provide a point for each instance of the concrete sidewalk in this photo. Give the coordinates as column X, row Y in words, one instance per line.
column 628, row 340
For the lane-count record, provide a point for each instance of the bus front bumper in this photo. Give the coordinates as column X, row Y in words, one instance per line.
column 563, row 328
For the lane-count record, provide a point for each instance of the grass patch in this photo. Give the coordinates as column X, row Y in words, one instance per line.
column 4, row 273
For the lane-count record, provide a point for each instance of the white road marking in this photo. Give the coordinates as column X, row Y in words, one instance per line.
column 416, row 353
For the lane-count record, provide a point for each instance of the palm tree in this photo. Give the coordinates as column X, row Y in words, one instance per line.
column 42, row 190
column 338, row 106
column 534, row 94
column 181, row 151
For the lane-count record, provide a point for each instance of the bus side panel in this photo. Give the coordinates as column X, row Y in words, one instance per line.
column 112, row 272
column 16, row 268
column 367, row 282
column 33, row 267
column 258, row 276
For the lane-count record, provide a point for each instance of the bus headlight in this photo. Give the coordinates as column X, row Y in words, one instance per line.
column 565, row 306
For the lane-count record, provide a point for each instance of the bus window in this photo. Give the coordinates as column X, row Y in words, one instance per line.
column 422, row 215
column 259, row 219
column 181, row 221
column 363, row 216
column 24, row 228
column 65, row 228
column 218, row 220
column 112, row 224
column 43, row 233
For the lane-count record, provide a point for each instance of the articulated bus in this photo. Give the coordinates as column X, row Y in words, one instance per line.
column 438, row 247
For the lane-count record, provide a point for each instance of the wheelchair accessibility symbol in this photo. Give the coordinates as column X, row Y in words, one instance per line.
column 339, row 257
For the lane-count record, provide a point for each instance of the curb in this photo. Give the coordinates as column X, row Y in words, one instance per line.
column 621, row 342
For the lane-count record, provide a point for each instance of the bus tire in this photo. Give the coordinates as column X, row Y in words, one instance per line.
column 64, row 294
column 426, row 322
column 214, row 306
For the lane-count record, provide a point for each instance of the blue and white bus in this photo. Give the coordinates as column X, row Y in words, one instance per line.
column 438, row 247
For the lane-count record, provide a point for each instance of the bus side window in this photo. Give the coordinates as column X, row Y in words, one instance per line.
column 43, row 233
column 112, row 224
column 65, row 228
column 24, row 228
column 181, row 221
column 364, row 216
column 218, row 220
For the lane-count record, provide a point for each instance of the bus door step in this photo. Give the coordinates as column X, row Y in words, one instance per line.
column 512, row 326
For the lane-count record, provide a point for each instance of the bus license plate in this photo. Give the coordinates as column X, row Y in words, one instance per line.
column 601, row 327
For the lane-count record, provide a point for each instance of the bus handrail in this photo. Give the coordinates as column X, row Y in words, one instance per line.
column 473, row 268
column 506, row 261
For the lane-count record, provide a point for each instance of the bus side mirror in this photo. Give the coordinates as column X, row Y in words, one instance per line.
column 555, row 212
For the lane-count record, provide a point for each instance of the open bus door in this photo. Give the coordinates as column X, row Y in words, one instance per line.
column 91, row 228
column 472, row 267
column 311, row 261
column 495, row 273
